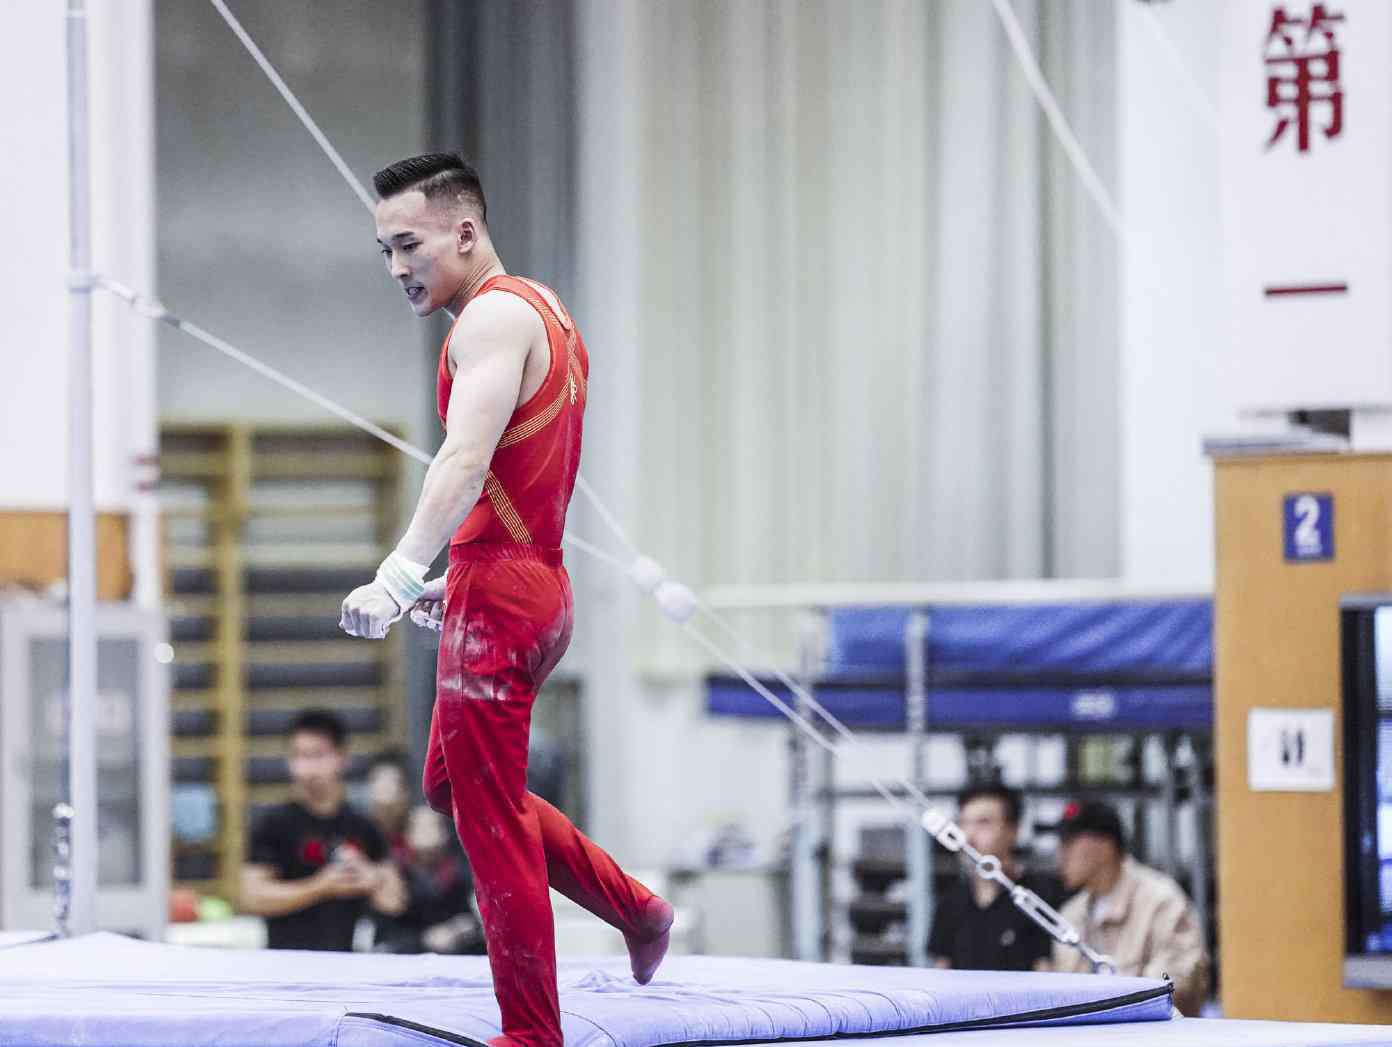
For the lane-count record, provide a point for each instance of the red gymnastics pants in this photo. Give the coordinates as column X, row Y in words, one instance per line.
column 508, row 617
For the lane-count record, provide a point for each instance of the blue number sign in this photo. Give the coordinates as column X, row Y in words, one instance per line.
column 1309, row 527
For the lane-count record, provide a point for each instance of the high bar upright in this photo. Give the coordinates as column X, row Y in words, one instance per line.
column 82, row 639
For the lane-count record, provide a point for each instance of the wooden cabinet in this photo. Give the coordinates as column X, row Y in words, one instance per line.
column 1280, row 854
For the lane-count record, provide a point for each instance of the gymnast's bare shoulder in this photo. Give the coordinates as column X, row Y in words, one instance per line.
column 499, row 322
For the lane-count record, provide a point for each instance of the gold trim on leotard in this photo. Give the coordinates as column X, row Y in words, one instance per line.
column 507, row 512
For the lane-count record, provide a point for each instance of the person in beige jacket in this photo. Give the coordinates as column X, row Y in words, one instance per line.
column 1137, row 915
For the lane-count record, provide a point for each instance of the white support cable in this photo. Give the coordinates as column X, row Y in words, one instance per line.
column 805, row 694
column 582, row 485
column 294, row 103
column 155, row 311
column 800, row 721
column 594, row 551
column 1054, row 114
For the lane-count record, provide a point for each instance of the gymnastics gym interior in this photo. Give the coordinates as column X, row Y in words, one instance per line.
column 981, row 547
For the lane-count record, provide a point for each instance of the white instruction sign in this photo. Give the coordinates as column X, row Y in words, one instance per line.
column 1290, row 750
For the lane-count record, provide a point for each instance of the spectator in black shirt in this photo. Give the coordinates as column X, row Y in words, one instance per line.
column 976, row 926
column 316, row 865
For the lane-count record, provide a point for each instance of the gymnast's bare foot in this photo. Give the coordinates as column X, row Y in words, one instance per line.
column 648, row 945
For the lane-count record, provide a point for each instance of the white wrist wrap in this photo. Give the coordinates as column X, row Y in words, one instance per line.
column 402, row 578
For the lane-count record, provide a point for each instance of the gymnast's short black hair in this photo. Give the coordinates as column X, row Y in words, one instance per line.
column 321, row 722
column 1012, row 803
column 437, row 175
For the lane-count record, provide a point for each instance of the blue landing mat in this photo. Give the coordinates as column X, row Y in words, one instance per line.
column 116, row 992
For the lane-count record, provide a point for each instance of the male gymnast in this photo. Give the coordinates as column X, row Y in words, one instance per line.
column 511, row 396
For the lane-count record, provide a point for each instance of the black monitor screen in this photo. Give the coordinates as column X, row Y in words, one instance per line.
column 1367, row 686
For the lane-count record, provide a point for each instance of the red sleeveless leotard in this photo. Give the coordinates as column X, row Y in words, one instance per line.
column 509, row 610
column 532, row 474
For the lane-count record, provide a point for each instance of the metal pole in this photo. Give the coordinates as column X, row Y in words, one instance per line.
column 918, row 856
column 805, row 888
column 82, row 640
column 825, row 794
column 1170, row 792
column 1198, row 799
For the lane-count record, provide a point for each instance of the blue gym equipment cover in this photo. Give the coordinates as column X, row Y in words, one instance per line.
column 111, row 991
column 1150, row 637
column 1127, row 665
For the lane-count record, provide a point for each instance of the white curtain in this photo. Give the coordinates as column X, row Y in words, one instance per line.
column 876, row 317
column 851, row 319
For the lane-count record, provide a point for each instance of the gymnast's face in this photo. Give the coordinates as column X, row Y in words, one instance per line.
column 985, row 824
column 427, row 246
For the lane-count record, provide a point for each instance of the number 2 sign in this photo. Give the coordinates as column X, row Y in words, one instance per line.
column 1309, row 527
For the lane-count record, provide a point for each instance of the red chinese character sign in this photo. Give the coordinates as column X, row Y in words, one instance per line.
column 1306, row 161
column 1302, row 74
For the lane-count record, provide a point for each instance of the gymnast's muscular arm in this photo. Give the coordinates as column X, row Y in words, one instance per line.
column 489, row 350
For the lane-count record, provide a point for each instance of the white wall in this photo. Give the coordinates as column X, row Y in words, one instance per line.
column 1171, row 301
column 33, row 276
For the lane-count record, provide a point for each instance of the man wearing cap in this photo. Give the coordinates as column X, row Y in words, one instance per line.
column 1135, row 914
